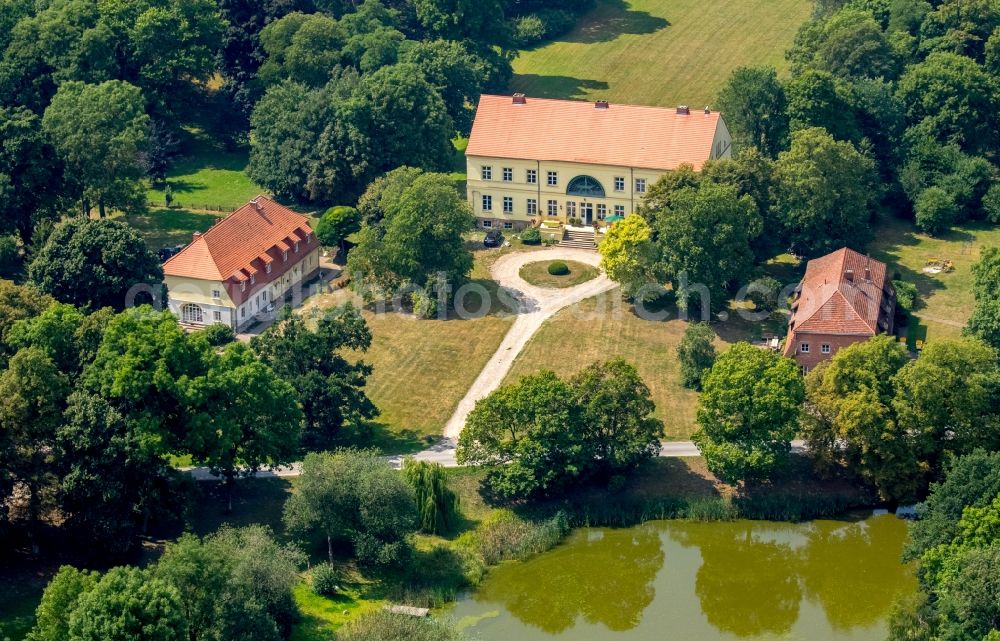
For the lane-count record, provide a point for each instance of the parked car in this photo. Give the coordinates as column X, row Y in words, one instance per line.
column 493, row 238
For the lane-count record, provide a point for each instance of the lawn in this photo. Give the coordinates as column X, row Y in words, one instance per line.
column 422, row 368
column 945, row 300
column 538, row 274
column 168, row 227
column 208, row 177
column 660, row 52
column 594, row 330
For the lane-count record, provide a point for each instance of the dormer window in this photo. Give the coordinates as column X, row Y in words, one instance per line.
column 268, row 268
column 253, row 279
column 296, row 247
column 309, row 237
column 243, row 286
column 284, row 255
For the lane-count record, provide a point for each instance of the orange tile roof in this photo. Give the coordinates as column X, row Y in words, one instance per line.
column 231, row 247
column 577, row 131
column 841, row 293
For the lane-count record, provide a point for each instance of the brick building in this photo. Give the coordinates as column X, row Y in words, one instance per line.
column 845, row 297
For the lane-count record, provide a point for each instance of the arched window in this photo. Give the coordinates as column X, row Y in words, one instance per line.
column 191, row 314
column 585, row 186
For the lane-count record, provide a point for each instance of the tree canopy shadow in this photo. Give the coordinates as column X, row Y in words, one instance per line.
column 563, row 87
column 611, row 19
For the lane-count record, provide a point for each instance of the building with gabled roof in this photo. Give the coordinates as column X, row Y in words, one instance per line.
column 845, row 297
column 241, row 266
column 537, row 159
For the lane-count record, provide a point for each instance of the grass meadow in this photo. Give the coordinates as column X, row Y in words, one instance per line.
column 660, row 52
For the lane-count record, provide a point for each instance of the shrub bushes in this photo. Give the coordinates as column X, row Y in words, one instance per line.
column 531, row 236
column 218, row 334
column 504, row 536
column 558, row 268
column 542, row 25
column 380, row 625
column 325, row 580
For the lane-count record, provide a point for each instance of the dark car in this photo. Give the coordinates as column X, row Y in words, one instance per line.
column 493, row 238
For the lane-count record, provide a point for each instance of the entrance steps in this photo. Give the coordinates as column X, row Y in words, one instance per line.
column 582, row 239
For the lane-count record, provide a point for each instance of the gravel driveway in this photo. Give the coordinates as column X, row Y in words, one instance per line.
column 536, row 305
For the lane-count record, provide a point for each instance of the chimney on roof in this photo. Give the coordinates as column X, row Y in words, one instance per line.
column 708, row 110
column 601, row 104
column 519, row 99
column 196, row 235
column 849, row 275
column 683, row 110
column 868, row 274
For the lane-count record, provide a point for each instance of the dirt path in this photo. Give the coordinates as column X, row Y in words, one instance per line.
column 536, row 305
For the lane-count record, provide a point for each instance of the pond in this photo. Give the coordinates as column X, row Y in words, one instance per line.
column 826, row 580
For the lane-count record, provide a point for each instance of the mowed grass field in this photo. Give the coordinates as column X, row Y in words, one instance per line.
column 945, row 300
column 660, row 52
column 599, row 329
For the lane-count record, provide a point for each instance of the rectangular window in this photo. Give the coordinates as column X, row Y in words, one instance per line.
column 284, row 255
column 217, row 316
column 824, row 348
column 804, row 348
column 532, row 176
column 619, row 183
column 508, row 174
column 487, row 203
column 243, row 286
column 268, row 268
column 640, row 185
column 620, row 210
column 508, row 225
column 602, row 211
column 508, row 205
column 216, row 293
column 296, row 247
column 487, row 224
column 553, row 208
column 570, row 208
column 486, row 172
column 532, row 207
column 553, row 179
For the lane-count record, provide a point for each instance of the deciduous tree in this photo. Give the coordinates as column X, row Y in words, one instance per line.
column 99, row 132
column 696, row 353
column 97, row 263
column 755, row 107
column 629, row 257
column 748, row 413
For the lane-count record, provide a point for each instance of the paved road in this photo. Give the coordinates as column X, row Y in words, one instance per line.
column 536, row 305
column 444, row 453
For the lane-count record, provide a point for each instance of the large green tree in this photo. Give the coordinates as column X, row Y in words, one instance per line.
column 99, row 132
column 703, row 238
column 849, row 418
column 354, row 496
column 629, row 257
column 310, row 355
column 953, row 98
column 59, row 599
column 529, row 435
column 418, row 243
column 826, row 190
column 128, row 604
column 748, row 413
column 96, row 263
column 619, row 428
column 30, row 173
column 32, row 399
column 755, row 107
column 850, row 44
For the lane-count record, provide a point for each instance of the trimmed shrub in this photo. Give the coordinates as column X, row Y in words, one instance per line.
column 531, row 236
column 218, row 334
column 325, row 580
column 558, row 268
